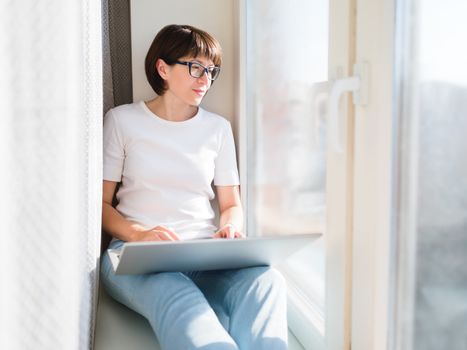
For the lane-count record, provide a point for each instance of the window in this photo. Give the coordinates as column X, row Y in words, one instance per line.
column 286, row 59
column 432, row 176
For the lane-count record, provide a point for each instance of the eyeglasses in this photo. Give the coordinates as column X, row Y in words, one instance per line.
column 197, row 70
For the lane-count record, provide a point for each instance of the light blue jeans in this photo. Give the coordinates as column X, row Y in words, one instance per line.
column 210, row 310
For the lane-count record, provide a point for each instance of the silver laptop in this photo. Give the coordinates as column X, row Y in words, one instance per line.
column 206, row 254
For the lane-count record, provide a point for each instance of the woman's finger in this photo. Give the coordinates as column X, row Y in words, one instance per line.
column 219, row 234
column 162, row 235
column 230, row 232
column 225, row 234
column 172, row 235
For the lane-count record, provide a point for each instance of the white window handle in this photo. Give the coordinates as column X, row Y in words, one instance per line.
column 357, row 84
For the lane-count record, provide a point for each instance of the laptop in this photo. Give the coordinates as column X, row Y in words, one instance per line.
column 206, row 254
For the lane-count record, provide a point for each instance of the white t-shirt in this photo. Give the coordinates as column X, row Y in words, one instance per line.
column 167, row 168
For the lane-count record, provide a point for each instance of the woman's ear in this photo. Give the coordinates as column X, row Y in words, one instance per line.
column 162, row 68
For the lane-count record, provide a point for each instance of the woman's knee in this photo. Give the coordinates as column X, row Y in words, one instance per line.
column 268, row 275
column 273, row 279
column 263, row 278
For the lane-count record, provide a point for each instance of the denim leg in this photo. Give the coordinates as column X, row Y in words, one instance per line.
column 256, row 301
column 177, row 310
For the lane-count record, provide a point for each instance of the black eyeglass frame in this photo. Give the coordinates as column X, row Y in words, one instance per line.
column 205, row 69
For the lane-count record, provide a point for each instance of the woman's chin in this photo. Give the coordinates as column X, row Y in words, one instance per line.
column 196, row 102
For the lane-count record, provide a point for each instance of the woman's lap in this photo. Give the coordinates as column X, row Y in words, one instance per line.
column 176, row 303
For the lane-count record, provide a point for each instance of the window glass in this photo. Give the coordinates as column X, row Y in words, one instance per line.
column 433, row 177
column 287, row 55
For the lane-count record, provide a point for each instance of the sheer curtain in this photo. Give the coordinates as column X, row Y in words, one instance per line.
column 50, row 178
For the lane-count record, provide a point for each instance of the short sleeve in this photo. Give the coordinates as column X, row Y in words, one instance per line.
column 226, row 172
column 114, row 154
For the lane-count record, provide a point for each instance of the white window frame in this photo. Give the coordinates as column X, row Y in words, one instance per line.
column 373, row 180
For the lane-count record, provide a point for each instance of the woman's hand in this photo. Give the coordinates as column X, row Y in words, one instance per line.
column 158, row 233
column 228, row 231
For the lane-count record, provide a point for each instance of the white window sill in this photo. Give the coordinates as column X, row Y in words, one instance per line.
column 305, row 318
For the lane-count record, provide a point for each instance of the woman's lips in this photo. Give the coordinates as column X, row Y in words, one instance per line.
column 200, row 92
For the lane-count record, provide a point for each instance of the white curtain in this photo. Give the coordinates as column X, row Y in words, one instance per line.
column 50, row 172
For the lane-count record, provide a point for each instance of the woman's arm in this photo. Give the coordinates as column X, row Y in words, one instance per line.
column 231, row 212
column 119, row 227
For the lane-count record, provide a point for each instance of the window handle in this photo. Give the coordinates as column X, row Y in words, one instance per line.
column 358, row 84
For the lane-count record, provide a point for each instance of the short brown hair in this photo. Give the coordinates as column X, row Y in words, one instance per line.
column 175, row 41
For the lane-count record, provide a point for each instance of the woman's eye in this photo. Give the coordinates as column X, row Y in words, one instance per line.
column 196, row 68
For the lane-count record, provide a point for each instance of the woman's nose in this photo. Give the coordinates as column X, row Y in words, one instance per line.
column 204, row 78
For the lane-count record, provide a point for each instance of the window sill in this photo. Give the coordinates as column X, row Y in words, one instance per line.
column 305, row 318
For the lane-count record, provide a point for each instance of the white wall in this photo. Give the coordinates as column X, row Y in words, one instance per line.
column 214, row 16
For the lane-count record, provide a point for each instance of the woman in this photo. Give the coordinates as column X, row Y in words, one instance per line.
column 166, row 153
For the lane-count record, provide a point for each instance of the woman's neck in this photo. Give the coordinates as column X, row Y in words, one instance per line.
column 166, row 108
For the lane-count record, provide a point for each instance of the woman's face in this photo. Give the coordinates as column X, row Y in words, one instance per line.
column 183, row 86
